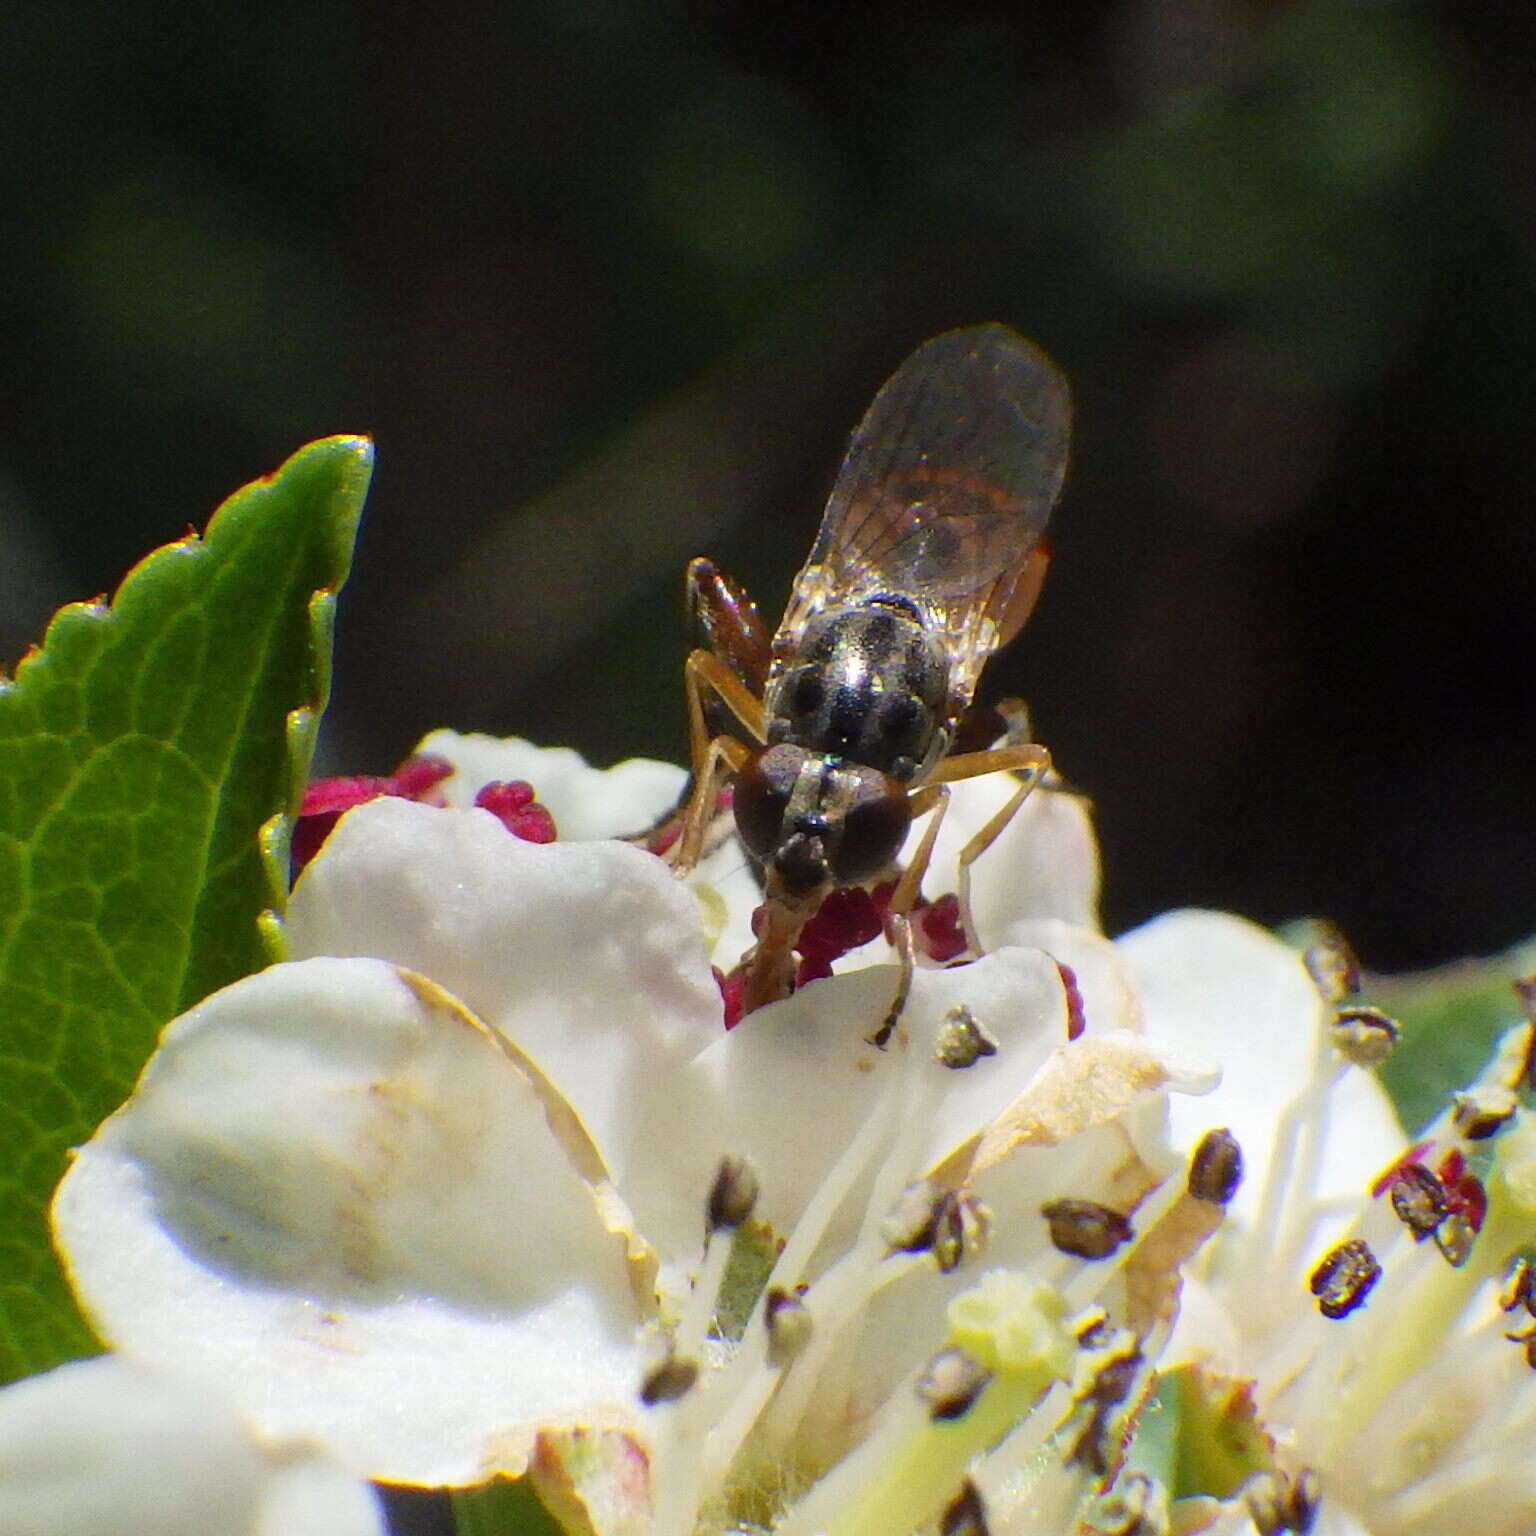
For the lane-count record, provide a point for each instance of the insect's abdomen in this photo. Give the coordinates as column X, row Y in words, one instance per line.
column 867, row 684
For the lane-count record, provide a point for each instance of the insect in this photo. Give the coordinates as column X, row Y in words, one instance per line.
column 929, row 558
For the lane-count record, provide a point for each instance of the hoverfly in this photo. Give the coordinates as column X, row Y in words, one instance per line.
column 930, row 557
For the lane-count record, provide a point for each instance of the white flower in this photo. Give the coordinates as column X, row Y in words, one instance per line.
column 1411, row 1412
column 433, row 1193
column 110, row 1447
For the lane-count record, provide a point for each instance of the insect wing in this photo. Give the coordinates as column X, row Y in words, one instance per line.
column 946, row 490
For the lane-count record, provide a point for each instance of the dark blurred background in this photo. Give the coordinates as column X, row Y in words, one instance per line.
column 610, row 281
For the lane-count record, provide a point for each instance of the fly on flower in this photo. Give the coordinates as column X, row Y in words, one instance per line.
column 930, row 558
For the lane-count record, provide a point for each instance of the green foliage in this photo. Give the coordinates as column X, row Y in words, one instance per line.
column 145, row 751
column 1452, row 1018
column 502, row 1508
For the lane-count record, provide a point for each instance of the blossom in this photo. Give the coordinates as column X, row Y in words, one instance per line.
column 478, row 1181
column 113, row 1445
column 1350, row 1319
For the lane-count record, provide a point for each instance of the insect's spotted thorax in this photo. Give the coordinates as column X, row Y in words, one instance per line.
column 867, row 683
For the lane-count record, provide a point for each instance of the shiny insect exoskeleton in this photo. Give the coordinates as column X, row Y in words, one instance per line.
column 929, row 558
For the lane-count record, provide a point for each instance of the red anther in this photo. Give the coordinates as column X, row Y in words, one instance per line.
column 811, row 968
column 326, row 799
column 416, row 775
column 1077, row 1020
column 732, row 993
column 513, row 805
column 321, row 809
column 942, row 934
column 1390, row 1175
column 1464, row 1192
column 845, row 920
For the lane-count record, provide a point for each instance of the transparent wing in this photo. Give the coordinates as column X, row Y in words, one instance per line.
column 946, row 490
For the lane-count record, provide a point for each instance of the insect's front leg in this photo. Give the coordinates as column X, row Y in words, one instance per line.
column 712, row 757
column 1031, row 762
column 935, row 798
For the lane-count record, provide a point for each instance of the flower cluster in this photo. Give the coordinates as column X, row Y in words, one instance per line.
column 478, row 1183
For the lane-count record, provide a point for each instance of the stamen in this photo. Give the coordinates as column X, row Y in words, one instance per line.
column 965, row 1224
column 1344, row 1278
column 1085, row 1229
column 1419, row 1200
column 962, row 1042
column 674, row 1378
column 1077, row 1019
column 1277, row 1505
column 788, row 1321
column 1332, row 964
column 965, row 1514
column 1480, row 1114
column 1519, row 1289
column 913, row 1222
column 733, row 1195
column 951, row 1382
column 1364, row 1036
column 1216, row 1169
column 1136, row 1506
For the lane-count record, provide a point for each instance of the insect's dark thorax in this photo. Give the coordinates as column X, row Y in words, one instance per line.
column 866, row 683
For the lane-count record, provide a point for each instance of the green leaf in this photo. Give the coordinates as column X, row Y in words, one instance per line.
column 145, row 751
column 1452, row 1018
column 502, row 1508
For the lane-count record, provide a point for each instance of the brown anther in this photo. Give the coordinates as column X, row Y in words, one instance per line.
column 913, row 1222
column 1519, row 1048
column 1364, row 1036
column 1216, row 1169
column 1483, row 1113
column 1519, row 1288
column 1102, row 1381
column 1454, row 1238
column 950, row 1383
column 788, row 1321
column 1344, row 1278
column 965, row 1514
column 962, row 1042
column 961, row 1232
column 1331, row 963
column 1277, row 1504
column 1086, row 1229
column 1526, row 1339
column 1136, row 1506
column 1419, row 1200
column 672, row 1379
column 1095, row 1330
column 733, row 1195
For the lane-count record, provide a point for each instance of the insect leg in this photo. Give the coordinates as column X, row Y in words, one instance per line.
column 935, row 798
column 711, row 757
column 1031, row 763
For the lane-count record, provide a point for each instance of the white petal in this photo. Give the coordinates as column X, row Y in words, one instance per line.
column 334, row 1195
column 1045, row 864
column 588, row 956
column 111, row 1447
column 1230, row 990
column 586, row 802
column 794, row 1082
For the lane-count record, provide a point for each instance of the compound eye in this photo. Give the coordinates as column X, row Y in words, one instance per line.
column 874, row 828
column 764, row 785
